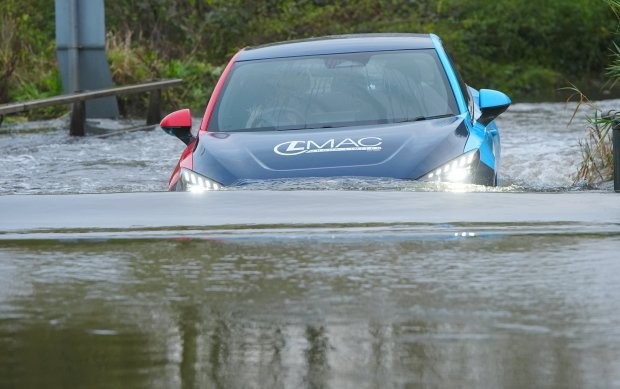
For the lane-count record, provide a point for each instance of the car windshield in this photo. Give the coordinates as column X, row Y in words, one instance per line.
column 336, row 90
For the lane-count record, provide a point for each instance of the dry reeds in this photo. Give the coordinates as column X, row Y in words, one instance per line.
column 596, row 149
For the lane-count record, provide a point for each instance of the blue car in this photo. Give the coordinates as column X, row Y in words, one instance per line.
column 371, row 105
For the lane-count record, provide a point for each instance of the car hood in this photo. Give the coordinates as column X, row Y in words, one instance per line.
column 404, row 150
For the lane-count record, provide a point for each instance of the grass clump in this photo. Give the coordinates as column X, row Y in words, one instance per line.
column 132, row 62
column 596, row 149
column 597, row 165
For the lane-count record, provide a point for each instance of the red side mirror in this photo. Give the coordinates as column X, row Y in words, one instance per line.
column 179, row 124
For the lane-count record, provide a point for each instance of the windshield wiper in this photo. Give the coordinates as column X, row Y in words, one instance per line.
column 305, row 127
column 415, row 119
column 421, row 118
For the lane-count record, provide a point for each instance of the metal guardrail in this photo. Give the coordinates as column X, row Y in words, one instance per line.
column 78, row 112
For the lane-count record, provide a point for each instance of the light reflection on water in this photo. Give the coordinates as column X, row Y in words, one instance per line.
column 507, row 310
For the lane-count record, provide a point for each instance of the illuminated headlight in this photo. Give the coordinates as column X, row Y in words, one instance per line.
column 459, row 170
column 194, row 182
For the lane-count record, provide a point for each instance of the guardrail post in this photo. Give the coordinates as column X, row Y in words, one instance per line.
column 615, row 144
column 78, row 119
column 153, row 115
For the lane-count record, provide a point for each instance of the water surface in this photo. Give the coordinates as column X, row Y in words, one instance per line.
column 540, row 152
column 371, row 300
column 530, row 310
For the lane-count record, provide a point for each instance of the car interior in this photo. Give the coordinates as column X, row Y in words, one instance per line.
column 335, row 91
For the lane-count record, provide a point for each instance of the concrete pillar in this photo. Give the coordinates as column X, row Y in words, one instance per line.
column 80, row 50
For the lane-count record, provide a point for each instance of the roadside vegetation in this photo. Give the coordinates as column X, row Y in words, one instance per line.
column 527, row 49
column 596, row 148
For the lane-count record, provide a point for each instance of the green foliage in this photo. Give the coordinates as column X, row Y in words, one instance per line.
column 132, row 63
column 596, row 148
column 613, row 71
column 519, row 44
column 9, row 55
column 26, row 50
column 199, row 77
column 46, row 84
column 527, row 49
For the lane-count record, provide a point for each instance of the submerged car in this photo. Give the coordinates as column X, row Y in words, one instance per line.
column 378, row 105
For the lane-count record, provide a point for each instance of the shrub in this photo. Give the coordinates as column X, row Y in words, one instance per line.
column 597, row 164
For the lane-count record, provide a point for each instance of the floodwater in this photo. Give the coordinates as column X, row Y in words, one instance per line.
column 540, row 152
column 303, row 304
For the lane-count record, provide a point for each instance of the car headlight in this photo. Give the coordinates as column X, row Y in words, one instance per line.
column 194, row 182
column 459, row 170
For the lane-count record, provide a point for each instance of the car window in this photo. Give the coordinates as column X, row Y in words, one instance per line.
column 334, row 91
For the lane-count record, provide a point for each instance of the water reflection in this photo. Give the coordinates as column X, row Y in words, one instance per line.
column 504, row 311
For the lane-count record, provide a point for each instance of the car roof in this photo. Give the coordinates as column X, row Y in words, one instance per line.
column 337, row 44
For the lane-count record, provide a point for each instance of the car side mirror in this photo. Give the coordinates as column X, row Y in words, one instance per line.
column 179, row 124
column 492, row 104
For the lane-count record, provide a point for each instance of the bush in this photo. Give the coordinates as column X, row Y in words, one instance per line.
column 527, row 49
column 597, row 151
column 27, row 67
column 541, row 44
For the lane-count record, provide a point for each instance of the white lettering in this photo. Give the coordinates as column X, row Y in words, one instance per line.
column 362, row 141
column 296, row 147
column 313, row 145
column 292, row 148
column 347, row 141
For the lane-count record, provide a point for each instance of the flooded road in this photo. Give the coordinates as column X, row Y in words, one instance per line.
column 540, row 152
column 290, row 310
column 344, row 284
